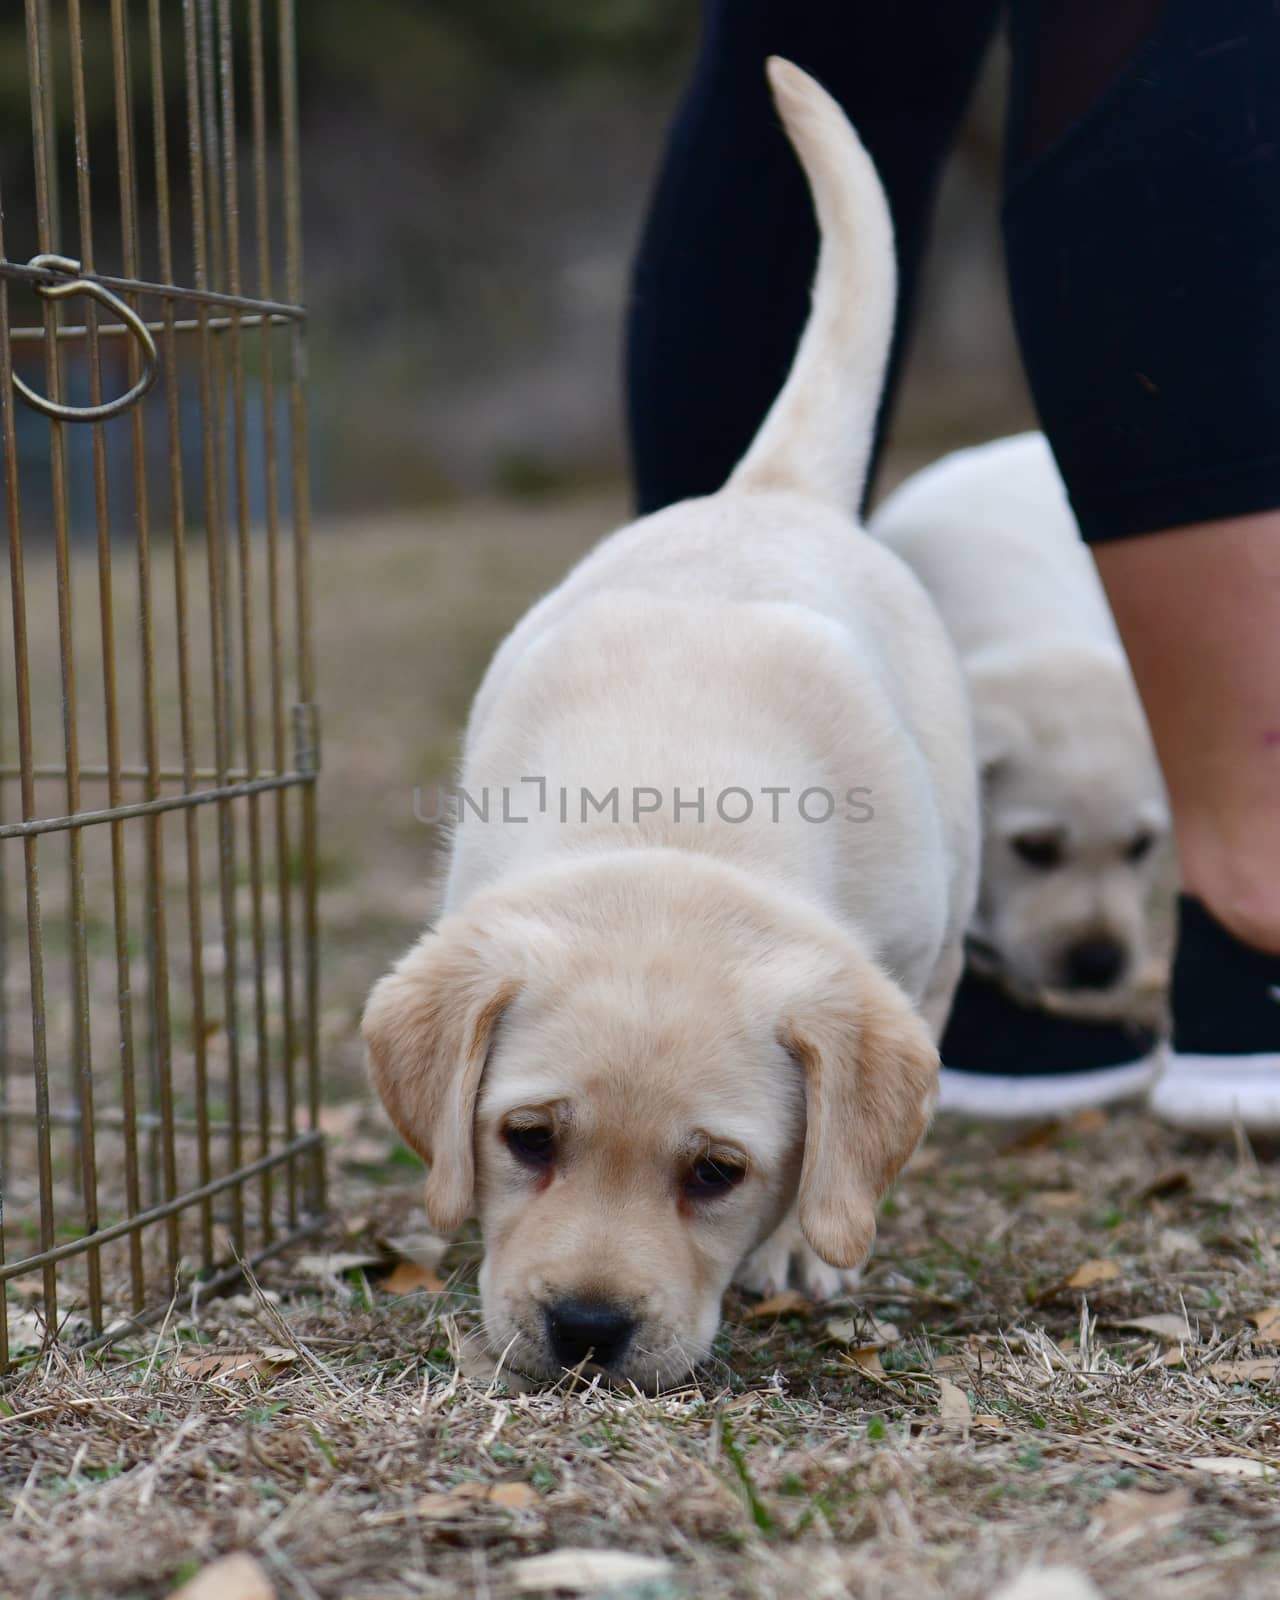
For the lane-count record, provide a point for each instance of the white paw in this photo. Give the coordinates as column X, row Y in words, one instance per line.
column 785, row 1261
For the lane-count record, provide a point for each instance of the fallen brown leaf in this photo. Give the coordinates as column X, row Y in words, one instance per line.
column 237, row 1365
column 233, row 1577
column 953, row 1404
column 1244, row 1371
column 411, row 1276
column 435, row 1507
column 1057, row 1200
column 465, row 1497
column 1128, row 1512
column 1174, row 1180
column 866, row 1331
column 866, row 1360
column 478, row 1364
column 790, row 1303
column 745, row 1402
column 1033, row 1138
column 1267, row 1322
column 1165, row 1325
column 514, row 1496
column 1089, row 1274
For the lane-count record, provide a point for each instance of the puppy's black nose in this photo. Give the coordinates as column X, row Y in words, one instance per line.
column 1095, row 963
column 595, row 1328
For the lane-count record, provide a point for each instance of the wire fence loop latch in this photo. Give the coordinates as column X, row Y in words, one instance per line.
column 74, row 285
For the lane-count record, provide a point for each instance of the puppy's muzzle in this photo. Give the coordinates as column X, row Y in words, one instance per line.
column 1097, row 963
column 582, row 1330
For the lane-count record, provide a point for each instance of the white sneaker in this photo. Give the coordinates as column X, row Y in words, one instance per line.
column 1222, row 1069
column 1212, row 1094
column 1003, row 1097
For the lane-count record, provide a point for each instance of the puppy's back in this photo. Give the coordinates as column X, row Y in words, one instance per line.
column 990, row 534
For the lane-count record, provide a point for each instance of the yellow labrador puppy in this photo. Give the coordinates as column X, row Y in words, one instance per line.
column 678, row 1018
column 1074, row 808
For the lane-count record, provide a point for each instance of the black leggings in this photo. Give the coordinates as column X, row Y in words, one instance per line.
column 1141, row 221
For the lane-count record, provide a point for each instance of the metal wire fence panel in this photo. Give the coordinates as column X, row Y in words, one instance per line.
column 158, row 734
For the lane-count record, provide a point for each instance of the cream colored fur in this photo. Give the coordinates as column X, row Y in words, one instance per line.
column 1061, row 734
column 658, row 989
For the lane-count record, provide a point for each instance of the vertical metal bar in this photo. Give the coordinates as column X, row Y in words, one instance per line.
column 248, row 676
column 107, row 626
column 70, row 731
column 6, row 1129
column 5, row 1123
column 111, row 698
column 31, row 862
column 50, row 121
column 47, row 161
column 177, row 513
column 302, row 561
column 204, row 208
column 49, row 228
column 217, row 280
column 157, row 932
column 279, row 756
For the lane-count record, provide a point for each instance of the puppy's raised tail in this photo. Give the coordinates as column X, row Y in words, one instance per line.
column 816, row 440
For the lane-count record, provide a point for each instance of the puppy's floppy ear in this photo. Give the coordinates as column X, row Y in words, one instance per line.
column 997, row 734
column 428, row 1025
column 998, row 730
column 871, row 1074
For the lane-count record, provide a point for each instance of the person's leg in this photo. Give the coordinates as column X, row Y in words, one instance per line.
column 721, row 281
column 1199, row 611
column 1143, row 235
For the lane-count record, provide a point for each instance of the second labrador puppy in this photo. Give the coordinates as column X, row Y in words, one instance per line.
column 1073, row 802
column 679, row 1017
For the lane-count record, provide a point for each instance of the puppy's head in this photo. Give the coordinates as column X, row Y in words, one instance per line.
column 1074, row 814
column 630, row 1069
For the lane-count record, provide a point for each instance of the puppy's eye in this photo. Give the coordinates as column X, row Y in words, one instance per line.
column 1140, row 846
column 1041, row 850
column 533, row 1146
column 711, row 1176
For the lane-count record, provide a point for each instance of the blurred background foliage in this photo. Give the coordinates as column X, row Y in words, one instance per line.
column 474, row 173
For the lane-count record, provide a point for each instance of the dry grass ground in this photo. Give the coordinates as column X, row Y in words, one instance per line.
column 1065, row 1354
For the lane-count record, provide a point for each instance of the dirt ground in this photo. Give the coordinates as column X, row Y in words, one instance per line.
column 1064, row 1357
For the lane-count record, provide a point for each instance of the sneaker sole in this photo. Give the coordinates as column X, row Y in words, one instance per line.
column 1006, row 1098
column 1213, row 1094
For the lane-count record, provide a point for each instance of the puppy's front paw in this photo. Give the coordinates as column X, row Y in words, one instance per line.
column 785, row 1261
